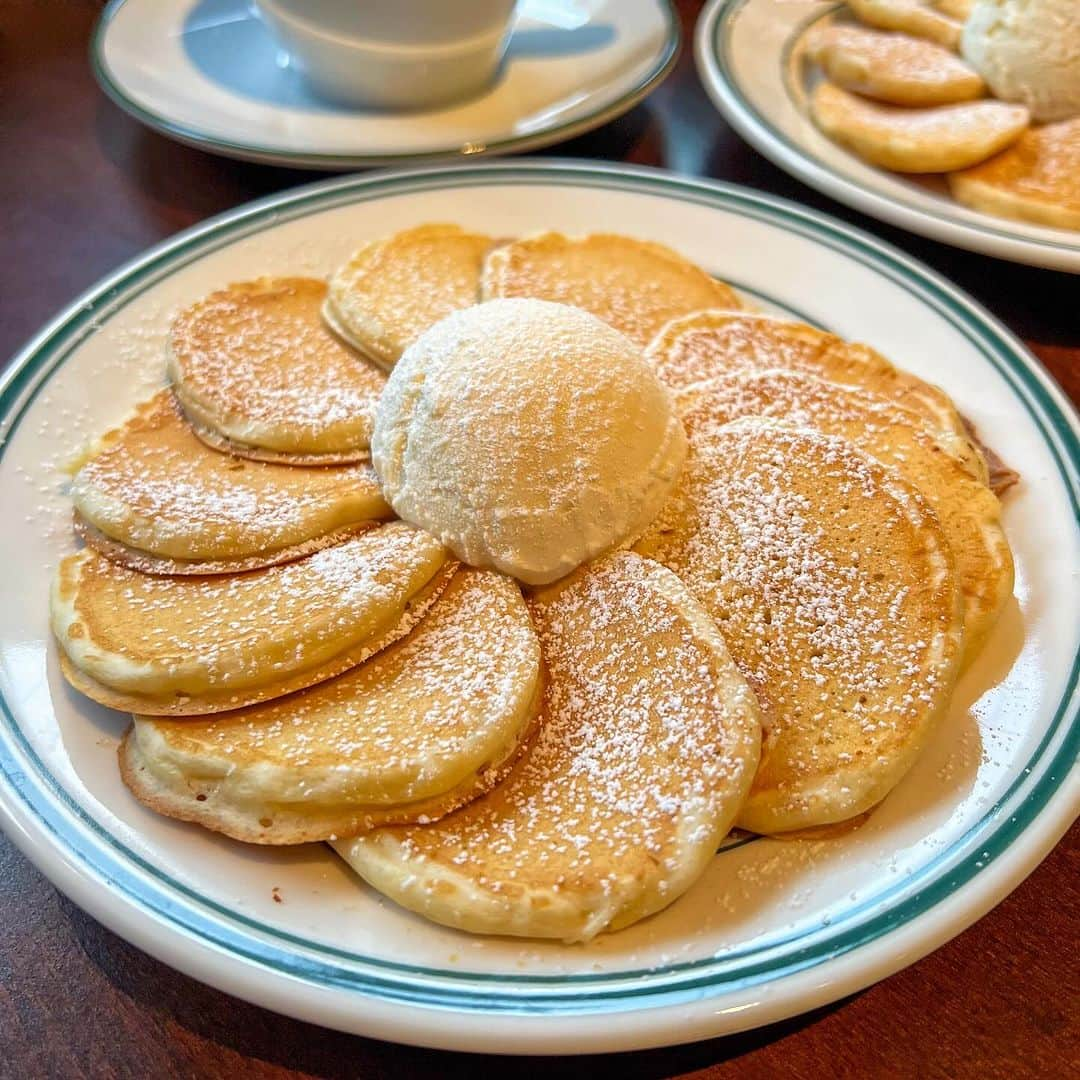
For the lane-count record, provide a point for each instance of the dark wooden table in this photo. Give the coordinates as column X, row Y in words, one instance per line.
column 82, row 188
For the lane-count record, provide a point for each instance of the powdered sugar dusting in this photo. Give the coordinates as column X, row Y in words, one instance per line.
column 831, row 584
column 392, row 290
column 633, row 285
column 941, row 468
column 642, row 747
column 441, row 701
column 868, row 420
column 235, row 630
column 711, row 343
column 157, row 486
column 259, row 355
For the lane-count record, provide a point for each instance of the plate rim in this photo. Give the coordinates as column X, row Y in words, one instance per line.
column 265, row 154
column 1044, row 824
column 728, row 97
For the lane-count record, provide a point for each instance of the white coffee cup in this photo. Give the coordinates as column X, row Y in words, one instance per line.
column 393, row 54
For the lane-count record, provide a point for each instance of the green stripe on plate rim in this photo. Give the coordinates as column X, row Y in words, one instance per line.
column 170, row 901
column 665, row 62
column 723, row 24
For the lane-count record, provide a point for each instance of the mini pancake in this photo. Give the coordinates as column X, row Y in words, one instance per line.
column 420, row 729
column 711, row 343
column 633, row 285
column 895, row 68
column 182, row 646
column 258, row 373
column 646, row 750
column 969, row 513
column 928, row 140
column 393, row 289
column 704, row 344
column 955, row 9
column 1037, row 179
column 835, row 589
column 155, row 498
column 912, row 17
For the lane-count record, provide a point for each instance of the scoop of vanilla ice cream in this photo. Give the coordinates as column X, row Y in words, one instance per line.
column 1028, row 51
column 527, row 436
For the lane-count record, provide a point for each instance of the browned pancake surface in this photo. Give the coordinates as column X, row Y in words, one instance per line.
column 633, row 285
column 255, row 363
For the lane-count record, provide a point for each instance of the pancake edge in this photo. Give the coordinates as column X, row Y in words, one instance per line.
column 146, row 562
column 768, row 812
column 326, row 825
column 416, row 607
column 336, row 324
column 211, row 432
column 224, row 445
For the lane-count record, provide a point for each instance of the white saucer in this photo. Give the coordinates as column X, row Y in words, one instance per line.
column 749, row 56
column 209, row 73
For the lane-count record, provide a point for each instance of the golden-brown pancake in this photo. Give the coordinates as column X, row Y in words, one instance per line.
column 633, row 285
column 927, row 140
column 704, row 344
column 254, row 365
column 646, row 750
column 411, row 734
column 955, row 9
column 969, row 513
column 710, row 343
column 912, row 17
column 835, row 589
column 170, row 504
column 1037, row 179
column 895, row 68
column 187, row 645
column 392, row 289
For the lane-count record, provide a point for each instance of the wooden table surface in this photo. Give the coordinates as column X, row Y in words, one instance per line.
column 83, row 188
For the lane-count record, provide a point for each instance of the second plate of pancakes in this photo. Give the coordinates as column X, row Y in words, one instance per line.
column 772, row 927
column 751, row 55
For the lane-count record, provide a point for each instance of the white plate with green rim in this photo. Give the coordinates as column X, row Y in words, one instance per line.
column 774, row 927
column 749, row 55
column 210, row 74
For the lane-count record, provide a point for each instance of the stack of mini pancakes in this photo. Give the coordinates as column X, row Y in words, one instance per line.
column 772, row 653
column 896, row 93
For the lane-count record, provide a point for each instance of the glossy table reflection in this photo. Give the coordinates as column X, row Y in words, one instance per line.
column 83, row 189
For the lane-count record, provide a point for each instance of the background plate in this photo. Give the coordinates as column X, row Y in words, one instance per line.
column 748, row 56
column 210, row 74
column 773, row 928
